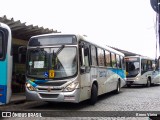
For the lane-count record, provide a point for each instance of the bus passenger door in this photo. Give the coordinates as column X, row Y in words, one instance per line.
column 84, row 70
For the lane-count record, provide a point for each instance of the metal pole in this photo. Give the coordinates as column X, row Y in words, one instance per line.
column 159, row 25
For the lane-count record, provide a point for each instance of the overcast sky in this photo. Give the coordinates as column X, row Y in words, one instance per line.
column 125, row 24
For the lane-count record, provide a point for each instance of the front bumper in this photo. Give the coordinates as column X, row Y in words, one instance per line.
column 130, row 81
column 54, row 96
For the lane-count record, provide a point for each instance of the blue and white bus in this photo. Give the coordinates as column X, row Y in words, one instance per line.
column 141, row 70
column 5, row 64
column 69, row 68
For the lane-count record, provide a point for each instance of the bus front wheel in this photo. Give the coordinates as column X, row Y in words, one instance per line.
column 94, row 93
column 148, row 83
column 118, row 87
column 128, row 85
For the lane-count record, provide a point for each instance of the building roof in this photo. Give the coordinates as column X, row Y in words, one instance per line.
column 22, row 31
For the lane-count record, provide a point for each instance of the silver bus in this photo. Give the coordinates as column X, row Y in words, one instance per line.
column 70, row 68
column 140, row 70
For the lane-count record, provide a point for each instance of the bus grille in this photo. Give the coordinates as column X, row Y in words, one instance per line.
column 52, row 83
column 46, row 89
column 49, row 95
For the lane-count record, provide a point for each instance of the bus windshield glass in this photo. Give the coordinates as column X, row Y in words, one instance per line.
column 53, row 40
column 132, row 67
column 62, row 60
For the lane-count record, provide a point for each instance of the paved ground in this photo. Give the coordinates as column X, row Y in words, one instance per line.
column 135, row 101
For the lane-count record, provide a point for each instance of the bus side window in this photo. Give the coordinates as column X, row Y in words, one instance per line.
column 113, row 59
column 1, row 46
column 100, row 53
column 118, row 61
column 123, row 63
column 158, row 63
column 149, row 65
column 108, row 58
column 143, row 66
column 86, row 55
column 93, row 55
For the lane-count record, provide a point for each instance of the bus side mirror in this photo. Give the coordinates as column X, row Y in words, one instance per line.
column 82, row 55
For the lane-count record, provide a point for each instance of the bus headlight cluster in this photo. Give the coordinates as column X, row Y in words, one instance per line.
column 137, row 78
column 30, row 87
column 71, row 86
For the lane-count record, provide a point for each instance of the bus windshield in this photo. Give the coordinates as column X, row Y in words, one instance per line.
column 132, row 67
column 62, row 60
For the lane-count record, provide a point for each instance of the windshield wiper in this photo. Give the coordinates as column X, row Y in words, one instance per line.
column 54, row 56
column 59, row 50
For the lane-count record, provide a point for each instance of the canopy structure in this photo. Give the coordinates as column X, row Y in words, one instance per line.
column 22, row 31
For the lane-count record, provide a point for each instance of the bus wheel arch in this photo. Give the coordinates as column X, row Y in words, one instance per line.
column 148, row 82
column 128, row 85
column 118, row 86
column 94, row 93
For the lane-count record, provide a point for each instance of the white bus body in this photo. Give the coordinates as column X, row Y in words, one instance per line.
column 68, row 68
column 140, row 70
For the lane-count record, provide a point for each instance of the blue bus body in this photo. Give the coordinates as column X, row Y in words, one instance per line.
column 5, row 64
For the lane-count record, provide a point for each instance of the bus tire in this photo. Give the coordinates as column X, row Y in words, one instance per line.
column 118, row 87
column 128, row 85
column 148, row 82
column 94, row 93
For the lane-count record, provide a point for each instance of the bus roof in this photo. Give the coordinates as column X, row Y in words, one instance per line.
column 5, row 26
column 83, row 37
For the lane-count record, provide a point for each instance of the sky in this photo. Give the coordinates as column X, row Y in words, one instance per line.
column 125, row 24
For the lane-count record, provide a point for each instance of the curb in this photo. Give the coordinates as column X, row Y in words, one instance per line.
column 18, row 101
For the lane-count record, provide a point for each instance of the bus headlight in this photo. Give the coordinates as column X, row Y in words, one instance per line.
column 30, row 87
column 137, row 78
column 71, row 86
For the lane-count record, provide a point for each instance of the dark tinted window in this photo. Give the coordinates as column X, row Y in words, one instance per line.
column 113, row 58
column 93, row 55
column 100, row 56
column 108, row 59
column 118, row 60
column 1, row 45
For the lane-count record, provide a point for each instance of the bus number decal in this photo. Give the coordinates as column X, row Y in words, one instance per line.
column 51, row 73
